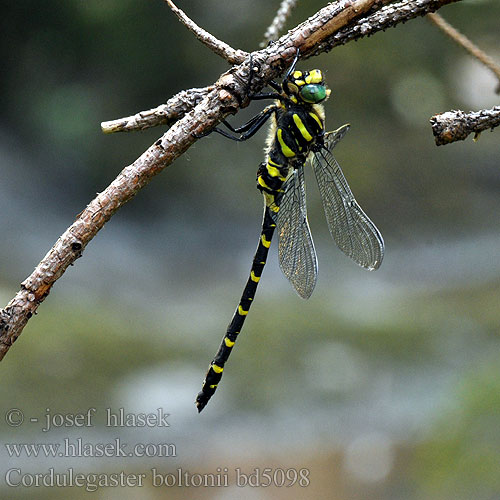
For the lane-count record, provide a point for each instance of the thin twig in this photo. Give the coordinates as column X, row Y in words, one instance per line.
column 229, row 93
column 275, row 28
column 165, row 114
column 457, row 125
column 232, row 56
column 467, row 44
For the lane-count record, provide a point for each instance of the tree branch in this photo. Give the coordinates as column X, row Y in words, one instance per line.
column 467, row 44
column 276, row 26
column 457, row 125
column 165, row 114
column 385, row 15
column 71, row 244
column 328, row 23
column 333, row 25
column 221, row 48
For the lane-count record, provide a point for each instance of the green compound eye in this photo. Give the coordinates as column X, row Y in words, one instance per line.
column 313, row 93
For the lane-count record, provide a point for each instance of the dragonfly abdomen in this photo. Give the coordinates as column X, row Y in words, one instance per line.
column 214, row 373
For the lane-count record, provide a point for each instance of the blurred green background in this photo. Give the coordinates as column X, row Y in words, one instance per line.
column 383, row 385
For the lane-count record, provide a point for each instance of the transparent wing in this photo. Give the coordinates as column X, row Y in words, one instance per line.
column 354, row 233
column 297, row 256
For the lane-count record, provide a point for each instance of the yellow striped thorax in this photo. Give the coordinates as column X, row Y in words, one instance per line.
column 297, row 129
column 306, row 86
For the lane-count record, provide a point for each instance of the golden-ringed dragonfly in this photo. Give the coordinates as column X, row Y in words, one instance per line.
column 296, row 135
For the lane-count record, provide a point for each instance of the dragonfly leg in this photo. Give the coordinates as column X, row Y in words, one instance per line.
column 248, row 129
column 272, row 84
column 291, row 69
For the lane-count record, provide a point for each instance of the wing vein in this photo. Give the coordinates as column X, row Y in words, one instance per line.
column 297, row 256
column 354, row 233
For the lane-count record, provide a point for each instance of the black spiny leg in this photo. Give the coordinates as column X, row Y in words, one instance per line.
column 250, row 128
column 216, row 367
column 291, row 69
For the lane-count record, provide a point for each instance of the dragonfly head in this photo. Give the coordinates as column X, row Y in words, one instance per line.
column 306, row 86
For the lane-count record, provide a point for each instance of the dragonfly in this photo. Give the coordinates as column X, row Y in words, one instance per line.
column 296, row 138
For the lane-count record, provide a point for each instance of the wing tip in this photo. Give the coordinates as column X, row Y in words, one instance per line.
column 374, row 265
column 305, row 294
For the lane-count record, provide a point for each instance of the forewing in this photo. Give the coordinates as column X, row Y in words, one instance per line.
column 297, row 256
column 333, row 138
column 354, row 233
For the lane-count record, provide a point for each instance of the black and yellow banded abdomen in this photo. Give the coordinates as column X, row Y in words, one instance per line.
column 216, row 368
